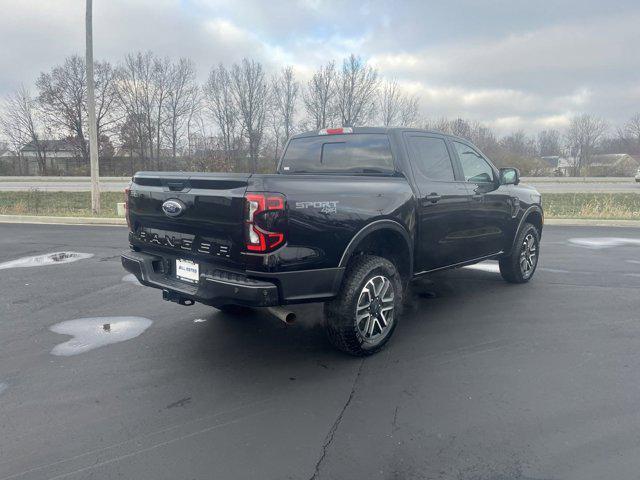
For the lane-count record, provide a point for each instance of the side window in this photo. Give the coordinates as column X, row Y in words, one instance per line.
column 430, row 158
column 474, row 167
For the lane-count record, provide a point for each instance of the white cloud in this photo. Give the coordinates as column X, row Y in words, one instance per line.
column 513, row 67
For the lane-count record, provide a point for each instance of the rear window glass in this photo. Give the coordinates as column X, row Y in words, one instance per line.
column 351, row 153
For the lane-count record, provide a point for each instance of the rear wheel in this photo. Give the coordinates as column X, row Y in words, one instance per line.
column 520, row 265
column 361, row 320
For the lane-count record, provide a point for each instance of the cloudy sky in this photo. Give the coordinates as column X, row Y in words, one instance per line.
column 510, row 63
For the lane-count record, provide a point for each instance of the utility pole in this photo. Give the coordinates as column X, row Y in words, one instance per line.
column 91, row 106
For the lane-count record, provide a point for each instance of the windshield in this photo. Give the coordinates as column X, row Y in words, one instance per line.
column 352, row 153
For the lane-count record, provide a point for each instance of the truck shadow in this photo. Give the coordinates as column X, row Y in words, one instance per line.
column 264, row 340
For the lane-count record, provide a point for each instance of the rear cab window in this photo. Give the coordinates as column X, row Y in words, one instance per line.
column 367, row 153
column 430, row 158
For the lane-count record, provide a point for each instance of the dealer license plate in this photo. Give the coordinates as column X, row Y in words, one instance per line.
column 187, row 270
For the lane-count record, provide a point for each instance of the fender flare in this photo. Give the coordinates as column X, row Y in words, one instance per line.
column 532, row 208
column 385, row 224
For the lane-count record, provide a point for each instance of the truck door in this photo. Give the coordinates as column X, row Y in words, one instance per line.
column 490, row 215
column 443, row 202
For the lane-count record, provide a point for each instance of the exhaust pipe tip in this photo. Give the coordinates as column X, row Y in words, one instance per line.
column 286, row 316
column 290, row 318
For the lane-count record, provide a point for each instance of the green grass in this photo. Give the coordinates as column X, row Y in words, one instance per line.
column 615, row 206
column 57, row 204
column 601, row 206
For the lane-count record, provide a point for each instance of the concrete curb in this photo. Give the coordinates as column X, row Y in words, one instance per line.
column 591, row 222
column 63, row 220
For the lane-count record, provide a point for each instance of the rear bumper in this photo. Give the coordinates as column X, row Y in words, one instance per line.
column 219, row 287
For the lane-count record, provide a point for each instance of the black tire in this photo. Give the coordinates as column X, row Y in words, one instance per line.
column 512, row 268
column 231, row 309
column 343, row 330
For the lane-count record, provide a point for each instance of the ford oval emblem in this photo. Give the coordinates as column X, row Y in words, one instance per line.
column 173, row 208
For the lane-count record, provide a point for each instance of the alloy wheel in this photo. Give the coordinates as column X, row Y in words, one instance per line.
column 528, row 255
column 375, row 309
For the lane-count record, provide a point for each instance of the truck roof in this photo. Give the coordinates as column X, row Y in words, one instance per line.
column 386, row 130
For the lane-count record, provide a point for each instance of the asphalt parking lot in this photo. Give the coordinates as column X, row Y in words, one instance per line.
column 483, row 380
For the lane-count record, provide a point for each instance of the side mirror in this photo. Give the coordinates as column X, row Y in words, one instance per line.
column 509, row 176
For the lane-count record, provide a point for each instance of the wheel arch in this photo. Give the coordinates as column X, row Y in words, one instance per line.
column 387, row 238
column 533, row 215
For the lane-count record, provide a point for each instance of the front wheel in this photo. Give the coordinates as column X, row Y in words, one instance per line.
column 520, row 265
column 362, row 318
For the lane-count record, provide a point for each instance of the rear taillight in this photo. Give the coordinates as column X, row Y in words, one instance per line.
column 264, row 221
column 126, row 206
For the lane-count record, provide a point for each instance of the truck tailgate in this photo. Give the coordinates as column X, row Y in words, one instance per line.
column 209, row 216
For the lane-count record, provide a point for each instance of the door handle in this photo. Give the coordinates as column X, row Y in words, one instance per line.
column 433, row 197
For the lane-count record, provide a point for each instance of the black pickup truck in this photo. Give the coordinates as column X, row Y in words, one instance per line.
column 351, row 216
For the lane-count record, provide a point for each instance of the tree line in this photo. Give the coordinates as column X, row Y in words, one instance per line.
column 154, row 109
column 585, row 136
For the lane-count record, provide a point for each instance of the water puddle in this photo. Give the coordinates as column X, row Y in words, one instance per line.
column 47, row 259
column 199, row 320
column 604, row 242
column 3, row 387
column 91, row 333
column 131, row 278
column 485, row 267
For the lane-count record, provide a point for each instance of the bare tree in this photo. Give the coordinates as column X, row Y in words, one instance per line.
column 461, row 128
column 62, row 95
column 390, row 100
column 548, row 143
column 484, row 138
column 410, row 111
column 161, row 84
column 220, row 104
column 319, row 95
column 357, row 84
column 285, row 94
column 13, row 137
column 520, row 144
column 632, row 129
column 276, row 139
column 251, row 94
column 107, row 115
column 194, row 120
column 441, row 125
column 181, row 96
column 583, row 136
column 481, row 135
column 20, row 125
column 396, row 107
column 142, row 89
